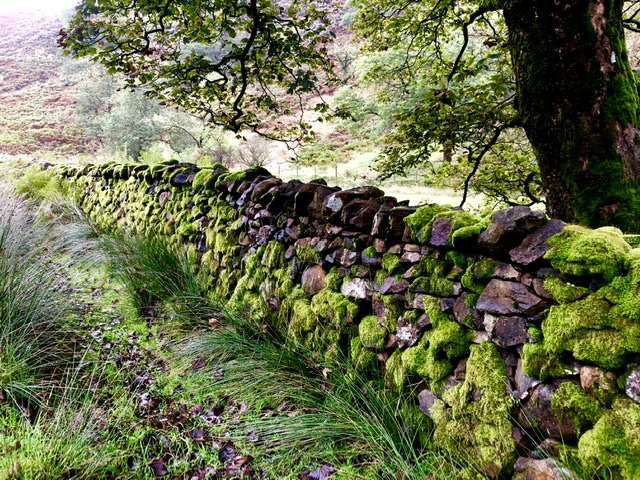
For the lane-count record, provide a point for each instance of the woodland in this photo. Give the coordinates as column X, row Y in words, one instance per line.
column 106, row 369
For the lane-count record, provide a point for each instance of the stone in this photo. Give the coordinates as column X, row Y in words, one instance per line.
column 539, row 288
column 534, row 246
column 407, row 335
column 510, row 331
column 463, row 314
column 632, row 386
column 523, row 382
column 410, row 257
column 460, row 371
column 412, row 247
column 426, row 400
column 395, row 249
column 310, row 199
column 509, row 228
column 164, row 197
column 502, row 297
column 447, row 304
column 549, row 447
column 396, row 229
column 335, row 202
column 536, row 412
column 263, row 187
column 545, row 469
column 506, row 271
column 357, row 288
column 201, row 243
column 379, row 245
column 345, row 257
column 360, row 214
column 424, row 321
column 440, row 232
column 480, row 337
column 314, row 280
column 391, row 285
column 367, row 260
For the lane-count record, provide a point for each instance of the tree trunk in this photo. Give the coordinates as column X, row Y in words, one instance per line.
column 578, row 102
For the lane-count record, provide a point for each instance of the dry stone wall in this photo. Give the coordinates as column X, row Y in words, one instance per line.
column 517, row 335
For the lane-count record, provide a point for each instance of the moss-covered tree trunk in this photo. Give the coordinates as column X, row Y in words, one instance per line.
column 579, row 105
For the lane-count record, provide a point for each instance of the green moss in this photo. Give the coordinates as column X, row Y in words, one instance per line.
column 456, row 258
column 578, row 251
column 538, row 363
column 390, row 262
column 372, row 334
column 371, row 252
column 423, row 216
column 571, row 402
column 392, row 311
column 435, row 355
column 475, row 416
column 430, row 266
column 433, row 310
column 273, row 256
column 308, row 255
column 335, row 307
column 333, row 280
column 614, row 442
column 440, row 287
column 478, row 274
column 395, row 375
column 591, row 332
column 362, row 358
column 564, row 292
column 469, row 233
column 303, row 319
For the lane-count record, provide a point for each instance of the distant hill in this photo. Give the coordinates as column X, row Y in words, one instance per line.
column 37, row 89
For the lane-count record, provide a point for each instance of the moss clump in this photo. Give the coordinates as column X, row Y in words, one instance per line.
column 564, row 292
column 371, row 252
column 429, row 266
column 273, row 256
column 335, row 307
column 571, row 402
column 440, row 287
column 390, row 262
column 392, row 311
column 395, row 374
column 303, row 319
column 423, row 216
column 614, row 442
column 578, row 251
column 333, row 280
column 475, row 416
column 434, row 356
column 465, row 235
column 538, row 363
column 307, row 255
column 591, row 332
column 457, row 258
column 372, row 334
column 362, row 358
column 478, row 274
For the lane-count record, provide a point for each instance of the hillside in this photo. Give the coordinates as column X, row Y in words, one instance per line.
column 36, row 89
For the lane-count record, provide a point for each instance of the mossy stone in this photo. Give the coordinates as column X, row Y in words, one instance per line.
column 335, row 307
column 614, row 442
column 390, row 262
column 578, row 252
column 571, row 402
column 563, row 292
column 423, row 216
column 362, row 358
column 372, row 334
column 395, row 375
column 475, row 416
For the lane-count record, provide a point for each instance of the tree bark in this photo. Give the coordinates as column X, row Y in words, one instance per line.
column 577, row 99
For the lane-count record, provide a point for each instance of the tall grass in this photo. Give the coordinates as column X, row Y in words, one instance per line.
column 34, row 344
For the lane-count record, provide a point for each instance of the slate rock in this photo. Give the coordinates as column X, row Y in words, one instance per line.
column 502, row 297
column 396, row 229
column 632, row 386
column 426, row 400
column 164, row 197
column 310, row 199
column 314, row 280
column 537, row 413
column 534, row 246
column 391, row 285
column 510, row 331
column 334, row 204
column 263, row 186
column 407, row 335
column 508, row 229
column 544, row 469
column 440, row 232
column 360, row 214
column 357, row 288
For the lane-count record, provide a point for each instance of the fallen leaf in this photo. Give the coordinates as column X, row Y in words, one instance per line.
column 214, row 323
column 158, row 467
column 321, row 473
column 326, row 372
column 228, row 452
column 198, row 364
